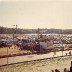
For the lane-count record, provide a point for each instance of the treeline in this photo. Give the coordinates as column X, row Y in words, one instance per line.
column 5, row 30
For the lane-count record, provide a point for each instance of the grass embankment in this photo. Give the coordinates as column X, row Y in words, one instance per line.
column 12, row 51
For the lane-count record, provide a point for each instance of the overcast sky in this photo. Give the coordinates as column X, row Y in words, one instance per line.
column 36, row 14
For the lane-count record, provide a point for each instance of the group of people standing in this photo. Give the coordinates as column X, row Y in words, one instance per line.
column 65, row 70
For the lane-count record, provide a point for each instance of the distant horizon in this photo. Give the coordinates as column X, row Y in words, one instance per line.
column 34, row 28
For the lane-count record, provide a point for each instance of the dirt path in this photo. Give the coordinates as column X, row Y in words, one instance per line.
column 3, row 61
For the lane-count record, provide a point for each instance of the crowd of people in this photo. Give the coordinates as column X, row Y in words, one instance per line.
column 65, row 70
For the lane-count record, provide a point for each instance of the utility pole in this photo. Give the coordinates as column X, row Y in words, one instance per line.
column 61, row 42
column 7, row 55
column 13, row 40
column 38, row 33
column 39, row 39
column 13, row 33
column 16, row 28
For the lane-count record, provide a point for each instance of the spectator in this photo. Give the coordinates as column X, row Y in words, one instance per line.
column 70, row 53
column 71, row 67
column 52, row 70
column 65, row 70
column 56, row 70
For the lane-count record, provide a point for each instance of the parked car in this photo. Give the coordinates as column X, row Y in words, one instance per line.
column 58, row 46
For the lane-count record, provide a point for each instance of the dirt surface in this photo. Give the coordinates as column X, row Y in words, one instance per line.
column 39, row 66
column 23, row 58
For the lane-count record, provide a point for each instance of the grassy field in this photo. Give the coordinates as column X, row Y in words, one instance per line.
column 12, row 50
column 39, row 66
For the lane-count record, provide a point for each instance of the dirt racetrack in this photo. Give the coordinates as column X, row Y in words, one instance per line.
column 39, row 66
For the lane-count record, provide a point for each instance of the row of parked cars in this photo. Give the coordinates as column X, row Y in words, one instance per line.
column 6, row 42
column 28, row 43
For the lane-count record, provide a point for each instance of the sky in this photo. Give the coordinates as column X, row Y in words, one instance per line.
column 36, row 14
